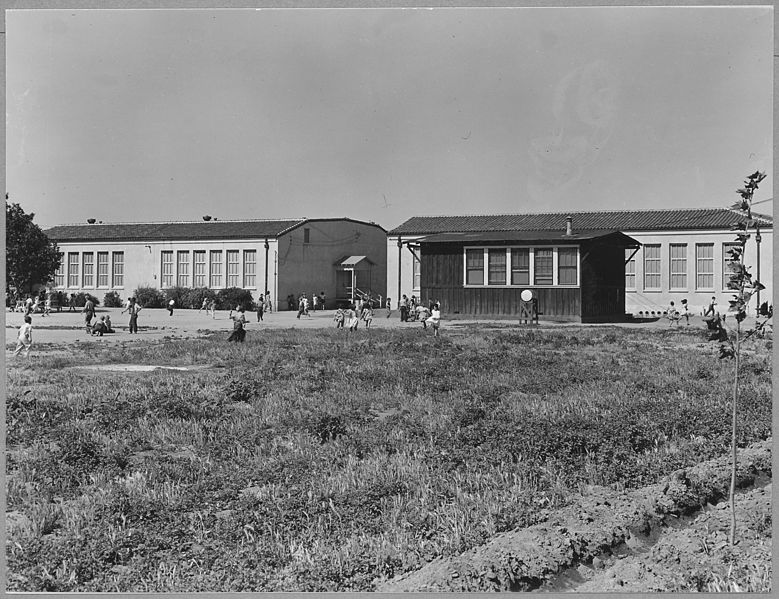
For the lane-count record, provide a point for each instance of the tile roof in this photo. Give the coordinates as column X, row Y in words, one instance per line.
column 621, row 220
column 550, row 237
column 214, row 229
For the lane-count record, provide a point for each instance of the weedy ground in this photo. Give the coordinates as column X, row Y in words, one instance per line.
column 318, row 461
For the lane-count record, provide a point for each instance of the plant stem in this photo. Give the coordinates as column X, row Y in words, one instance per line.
column 733, row 440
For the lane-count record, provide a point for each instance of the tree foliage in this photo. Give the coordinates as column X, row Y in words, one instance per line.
column 31, row 257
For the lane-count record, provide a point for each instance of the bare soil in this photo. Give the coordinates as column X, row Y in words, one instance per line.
column 669, row 536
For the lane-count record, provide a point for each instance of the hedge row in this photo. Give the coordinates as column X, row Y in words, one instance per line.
column 187, row 297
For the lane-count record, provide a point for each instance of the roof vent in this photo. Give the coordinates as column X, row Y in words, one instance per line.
column 207, row 217
column 91, row 221
column 568, row 226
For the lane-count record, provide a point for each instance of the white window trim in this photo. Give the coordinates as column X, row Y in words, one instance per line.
column 112, row 265
column 659, row 272
column 686, row 273
column 531, row 250
column 713, row 266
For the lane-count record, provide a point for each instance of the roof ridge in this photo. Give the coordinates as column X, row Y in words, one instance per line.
column 185, row 222
column 572, row 212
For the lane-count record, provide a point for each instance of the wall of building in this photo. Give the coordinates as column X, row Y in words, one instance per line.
column 644, row 299
column 306, row 261
column 406, row 259
column 143, row 264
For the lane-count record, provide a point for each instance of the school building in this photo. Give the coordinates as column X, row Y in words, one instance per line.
column 339, row 256
column 479, row 265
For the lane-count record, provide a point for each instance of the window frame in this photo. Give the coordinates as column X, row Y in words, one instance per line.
column 653, row 273
column 249, row 269
column 167, row 279
column 105, row 275
column 726, row 245
column 675, row 260
column 60, row 276
column 182, row 268
column 117, row 270
column 531, row 269
column 199, row 269
column 88, row 275
column 698, row 272
column 74, row 270
column 630, row 261
column 233, row 277
column 215, row 269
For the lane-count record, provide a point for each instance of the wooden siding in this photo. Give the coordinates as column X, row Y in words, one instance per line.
column 600, row 297
column 442, row 280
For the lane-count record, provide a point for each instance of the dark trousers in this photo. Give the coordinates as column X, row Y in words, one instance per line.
column 133, row 323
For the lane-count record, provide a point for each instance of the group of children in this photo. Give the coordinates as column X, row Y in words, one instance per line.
column 355, row 313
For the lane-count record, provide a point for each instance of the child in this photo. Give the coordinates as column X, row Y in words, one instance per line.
column 171, row 304
column 47, row 306
column 673, row 315
column 389, row 307
column 367, row 315
column 353, row 320
column 25, row 337
column 684, row 312
column 100, row 327
column 204, row 305
column 239, row 320
column 435, row 319
column 339, row 318
column 109, row 327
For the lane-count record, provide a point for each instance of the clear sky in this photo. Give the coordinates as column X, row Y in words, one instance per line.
column 383, row 114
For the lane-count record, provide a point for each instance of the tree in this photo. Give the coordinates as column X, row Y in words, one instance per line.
column 31, row 257
column 744, row 287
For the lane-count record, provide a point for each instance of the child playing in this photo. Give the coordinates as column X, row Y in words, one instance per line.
column 389, row 307
column 435, row 319
column 367, row 315
column 25, row 337
column 353, row 320
column 339, row 318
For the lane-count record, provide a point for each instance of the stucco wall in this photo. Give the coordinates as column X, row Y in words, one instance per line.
column 309, row 266
column 143, row 263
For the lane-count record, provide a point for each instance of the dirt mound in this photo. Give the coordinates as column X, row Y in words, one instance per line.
column 586, row 545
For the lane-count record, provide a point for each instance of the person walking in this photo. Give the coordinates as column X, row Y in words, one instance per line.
column 268, row 303
column 353, row 320
column 204, row 305
column 435, row 319
column 72, row 303
column 339, row 318
column 212, row 308
column 389, row 307
column 47, row 305
column 24, row 340
column 89, row 314
column 684, row 312
column 171, row 304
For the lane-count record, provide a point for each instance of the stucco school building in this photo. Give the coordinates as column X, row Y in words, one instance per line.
column 478, row 265
column 339, row 256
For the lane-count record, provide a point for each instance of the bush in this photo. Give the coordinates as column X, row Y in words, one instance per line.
column 178, row 295
column 81, row 299
column 149, row 297
column 112, row 300
column 194, row 297
column 232, row 297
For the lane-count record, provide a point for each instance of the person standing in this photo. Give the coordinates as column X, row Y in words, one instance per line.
column 389, row 307
column 353, row 320
column 89, row 314
column 711, row 309
column 404, row 309
column 133, row 309
column 239, row 321
column 260, row 308
column 47, row 305
column 435, row 319
column 28, row 306
column 339, row 318
column 171, row 304
column 72, row 303
column 322, row 299
column 25, row 337
column 684, row 312
column 212, row 308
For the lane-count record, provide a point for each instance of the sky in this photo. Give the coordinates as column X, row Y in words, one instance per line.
column 384, row 114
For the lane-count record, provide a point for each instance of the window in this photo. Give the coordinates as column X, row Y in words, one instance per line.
column 726, row 261
column 183, row 269
column 89, row 269
column 233, row 268
column 416, row 267
column 474, row 267
column 704, row 266
column 199, row 259
column 167, row 269
column 567, row 266
column 543, row 266
column 250, row 268
column 496, row 268
column 216, row 269
column 118, row 258
column 651, row 267
column 678, row 254
column 520, row 266
column 73, row 269
column 630, row 269
column 102, row 269
column 59, row 276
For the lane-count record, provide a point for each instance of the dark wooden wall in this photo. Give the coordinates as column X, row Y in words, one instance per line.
column 442, row 280
column 603, row 283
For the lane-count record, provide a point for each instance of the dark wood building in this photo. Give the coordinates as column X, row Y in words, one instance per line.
column 577, row 277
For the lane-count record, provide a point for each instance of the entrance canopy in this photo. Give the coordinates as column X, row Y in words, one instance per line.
column 353, row 277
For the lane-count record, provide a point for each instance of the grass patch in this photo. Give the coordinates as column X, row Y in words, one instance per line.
column 318, row 461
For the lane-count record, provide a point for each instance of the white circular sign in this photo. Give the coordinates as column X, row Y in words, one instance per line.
column 526, row 295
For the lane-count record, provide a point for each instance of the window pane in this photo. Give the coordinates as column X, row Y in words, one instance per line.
column 727, row 259
column 216, row 268
column 497, row 266
column 118, row 269
column 89, row 269
column 566, row 266
column 167, row 269
column 199, row 273
column 520, row 266
column 233, row 268
column 544, row 268
column 651, row 267
column 678, row 255
column 704, row 266
column 73, row 269
column 59, row 277
column 474, row 267
column 630, row 269
column 250, row 268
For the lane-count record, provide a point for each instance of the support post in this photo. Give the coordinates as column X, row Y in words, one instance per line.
column 758, row 239
column 400, row 258
column 267, row 247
